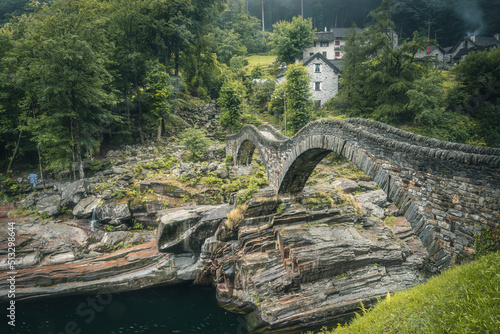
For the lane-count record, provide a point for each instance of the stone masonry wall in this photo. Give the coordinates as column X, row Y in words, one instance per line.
column 446, row 190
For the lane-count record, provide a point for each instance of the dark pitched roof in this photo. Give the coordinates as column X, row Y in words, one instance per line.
column 334, row 64
column 333, row 33
column 324, row 36
column 486, row 41
column 338, row 63
column 461, row 53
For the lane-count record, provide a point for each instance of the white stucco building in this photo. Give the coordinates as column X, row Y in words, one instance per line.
column 329, row 43
column 324, row 77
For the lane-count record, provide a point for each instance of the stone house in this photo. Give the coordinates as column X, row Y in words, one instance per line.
column 329, row 43
column 324, row 77
column 434, row 51
column 458, row 52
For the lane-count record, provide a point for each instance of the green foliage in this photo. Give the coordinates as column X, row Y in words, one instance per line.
column 228, row 159
column 164, row 163
column 290, row 39
column 109, row 228
column 376, row 76
column 486, row 241
column 298, row 103
column 231, row 104
column 195, row 141
column 460, row 300
column 479, row 93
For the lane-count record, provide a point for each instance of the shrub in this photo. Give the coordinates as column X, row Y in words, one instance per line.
column 195, row 141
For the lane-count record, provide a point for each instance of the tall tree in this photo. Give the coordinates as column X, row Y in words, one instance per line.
column 231, row 104
column 377, row 76
column 290, row 39
column 298, row 96
column 160, row 94
column 479, row 74
column 68, row 70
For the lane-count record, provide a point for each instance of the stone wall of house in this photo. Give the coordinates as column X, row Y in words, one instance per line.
column 328, row 79
column 330, row 50
column 447, row 191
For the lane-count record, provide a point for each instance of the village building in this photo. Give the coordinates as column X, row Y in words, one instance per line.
column 467, row 44
column 324, row 75
column 455, row 54
column 323, row 62
column 329, row 43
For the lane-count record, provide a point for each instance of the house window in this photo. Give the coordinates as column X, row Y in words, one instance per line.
column 317, row 68
column 323, row 44
column 324, row 53
column 337, row 54
column 311, row 53
column 337, row 43
column 314, row 44
column 317, row 86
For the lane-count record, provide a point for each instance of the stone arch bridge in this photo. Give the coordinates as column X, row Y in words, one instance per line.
column 445, row 190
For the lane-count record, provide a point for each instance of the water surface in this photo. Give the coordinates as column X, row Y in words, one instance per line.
column 179, row 309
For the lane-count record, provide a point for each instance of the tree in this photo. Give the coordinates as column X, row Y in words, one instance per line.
column 195, row 141
column 65, row 78
column 298, row 101
column 377, row 76
column 479, row 74
column 160, row 94
column 231, row 104
column 290, row 39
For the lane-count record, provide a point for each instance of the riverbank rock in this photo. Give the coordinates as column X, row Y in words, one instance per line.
column 185, row 230
column 74, row 192
column 85, row 207
column 345, row 185
column 50, row 205
column 113, row 214
column 291, row 267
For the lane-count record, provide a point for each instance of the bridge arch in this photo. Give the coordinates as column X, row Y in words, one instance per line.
column 445, row 190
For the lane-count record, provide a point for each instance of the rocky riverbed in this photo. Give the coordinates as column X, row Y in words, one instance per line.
column 287, row 264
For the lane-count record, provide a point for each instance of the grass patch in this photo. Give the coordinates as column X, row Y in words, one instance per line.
column 259, row 59
column 465, row 299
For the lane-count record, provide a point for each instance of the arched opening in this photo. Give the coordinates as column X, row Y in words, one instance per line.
column 245, row 153
column 300, row 170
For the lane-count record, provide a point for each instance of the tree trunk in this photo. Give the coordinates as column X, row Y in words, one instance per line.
column 137, row 89
column 79, row 151
column 73, row 161
column 128, row 110
column 17, row 146
column 158, row 133
column 39, row 154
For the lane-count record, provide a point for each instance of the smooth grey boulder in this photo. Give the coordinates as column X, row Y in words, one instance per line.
column 50, row 205
column 186, row 230
column 116, row 213
column 118, row 170
column 74, row 192
column 345, row 185
column 85, row 207
column 377, row 197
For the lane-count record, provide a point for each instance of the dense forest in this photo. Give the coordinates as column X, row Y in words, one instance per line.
column 75, row 75
column 449, row 19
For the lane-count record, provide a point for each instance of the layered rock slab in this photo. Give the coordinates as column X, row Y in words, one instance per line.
column 304, row 268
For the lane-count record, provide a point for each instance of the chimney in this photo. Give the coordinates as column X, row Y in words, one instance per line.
column 326, row 30
column 473, row 38
column 496, row 36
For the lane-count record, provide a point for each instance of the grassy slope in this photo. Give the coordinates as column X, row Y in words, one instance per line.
column 465, row 299
column 259, row 59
